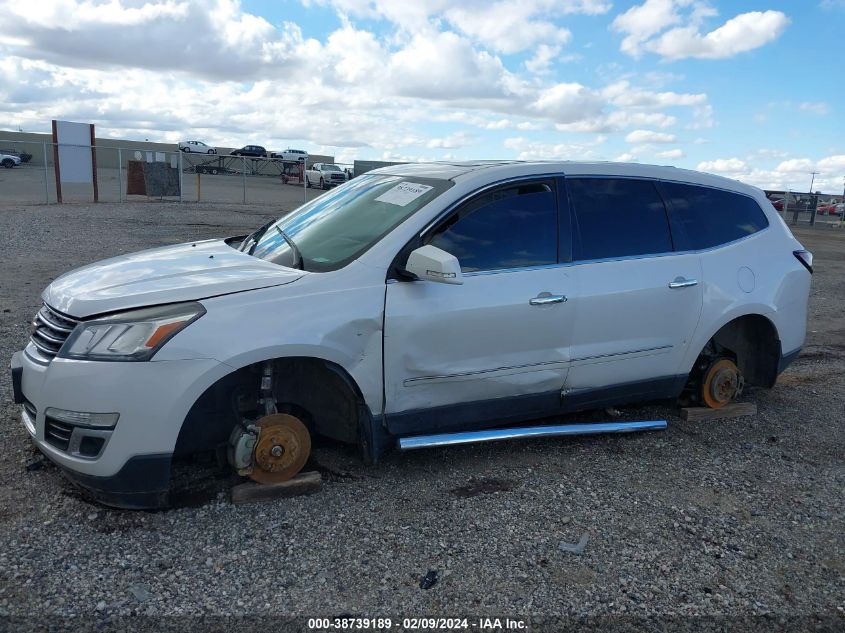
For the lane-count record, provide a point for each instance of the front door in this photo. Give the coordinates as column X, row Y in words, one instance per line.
column 497, row 346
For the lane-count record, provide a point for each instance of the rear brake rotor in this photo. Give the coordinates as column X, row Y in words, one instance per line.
column 722, row 383
column 282, row 449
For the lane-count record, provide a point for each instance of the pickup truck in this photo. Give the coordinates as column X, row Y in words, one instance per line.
column 325, row 174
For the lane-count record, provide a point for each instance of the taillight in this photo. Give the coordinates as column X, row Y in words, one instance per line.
column 806, row 258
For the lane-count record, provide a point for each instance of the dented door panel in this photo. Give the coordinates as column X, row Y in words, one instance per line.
column 451, row 344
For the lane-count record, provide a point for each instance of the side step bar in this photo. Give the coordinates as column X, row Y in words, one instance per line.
column 493, row 435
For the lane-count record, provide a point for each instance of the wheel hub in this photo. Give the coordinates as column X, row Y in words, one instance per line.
column 282, row 449
column 722, row 383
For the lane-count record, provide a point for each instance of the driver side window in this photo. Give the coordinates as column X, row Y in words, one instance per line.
column 514, row 226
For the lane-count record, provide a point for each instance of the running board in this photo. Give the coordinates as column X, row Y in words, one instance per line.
column 493, row 435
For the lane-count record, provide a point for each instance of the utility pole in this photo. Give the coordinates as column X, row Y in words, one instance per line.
column 814, row 198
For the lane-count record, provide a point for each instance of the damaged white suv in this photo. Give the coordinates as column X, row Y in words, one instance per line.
column 414, row 300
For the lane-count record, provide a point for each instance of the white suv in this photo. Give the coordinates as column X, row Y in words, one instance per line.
column 415, row 299
column 291, row 154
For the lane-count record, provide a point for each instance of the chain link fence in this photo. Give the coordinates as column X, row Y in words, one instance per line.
column 129, row 175
column 807, row 208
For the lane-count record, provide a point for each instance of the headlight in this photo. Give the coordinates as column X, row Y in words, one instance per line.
column 129, row 336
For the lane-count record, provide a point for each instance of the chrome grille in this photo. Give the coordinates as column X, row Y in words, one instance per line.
column 50, row 329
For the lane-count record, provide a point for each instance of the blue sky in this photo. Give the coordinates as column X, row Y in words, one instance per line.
column 750, row 89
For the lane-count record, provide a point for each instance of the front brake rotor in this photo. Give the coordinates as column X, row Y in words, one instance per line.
column 722, row 383
column 282, row 449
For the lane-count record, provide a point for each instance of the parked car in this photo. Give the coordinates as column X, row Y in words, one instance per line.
column 291, row 154
column 196, row 147
column 777, row 203
column 10, row 160
column 405, row 306
column 24, row 156
column 255, row 151
column 324, row 175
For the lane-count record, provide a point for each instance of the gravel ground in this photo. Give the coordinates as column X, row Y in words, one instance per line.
column 729, row 518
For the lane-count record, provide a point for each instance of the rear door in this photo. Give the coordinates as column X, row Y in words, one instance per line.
column 639, row 301
column 497, row 345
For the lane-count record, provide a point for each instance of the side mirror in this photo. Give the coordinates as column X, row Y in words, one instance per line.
column 430, row 263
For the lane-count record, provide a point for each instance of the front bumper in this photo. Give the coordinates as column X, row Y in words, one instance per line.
column 152, row 400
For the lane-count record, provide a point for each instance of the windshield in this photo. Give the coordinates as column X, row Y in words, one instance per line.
column 339, row 226
column 331, row 167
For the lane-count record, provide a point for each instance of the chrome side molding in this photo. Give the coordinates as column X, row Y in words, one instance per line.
column 493, row 435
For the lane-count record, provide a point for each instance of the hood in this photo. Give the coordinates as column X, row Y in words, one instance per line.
column 184, row 272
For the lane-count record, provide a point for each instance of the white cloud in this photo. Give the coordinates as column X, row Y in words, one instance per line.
column 650, row 136
column 505, row 26
column 793, row 174
column 724, row 166
column 641, row 22
column 535, row 150
column 444, row 66
column 627, row 157
column 743, row 33
column 127, row 66
column 541, row 62
column 567, row 102
column 453, row 141
column 671, row 153
column 815, row 107
column 623, row 94
column 673, row 30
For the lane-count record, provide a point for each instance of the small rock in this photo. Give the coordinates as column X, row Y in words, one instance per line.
column 140, row 593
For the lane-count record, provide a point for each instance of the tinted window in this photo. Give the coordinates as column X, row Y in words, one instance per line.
column 703, row 217
column 512, row 227
column 618, row 217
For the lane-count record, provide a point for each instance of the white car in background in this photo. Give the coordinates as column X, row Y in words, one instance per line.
column 196, row 147
column 10, row 160
column 415, row 305
column 291, row 154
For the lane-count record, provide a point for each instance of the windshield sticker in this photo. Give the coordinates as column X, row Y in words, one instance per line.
column 404, row 193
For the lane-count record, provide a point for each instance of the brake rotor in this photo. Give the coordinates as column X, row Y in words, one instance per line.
column 722, row 383
column 282, row 449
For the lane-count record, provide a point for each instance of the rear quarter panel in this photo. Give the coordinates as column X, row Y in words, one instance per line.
column 755, row 275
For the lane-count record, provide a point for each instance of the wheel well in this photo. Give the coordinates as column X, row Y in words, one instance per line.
column 321, row 393
column 753, row 342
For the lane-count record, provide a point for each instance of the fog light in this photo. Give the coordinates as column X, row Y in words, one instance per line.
column 81, row 418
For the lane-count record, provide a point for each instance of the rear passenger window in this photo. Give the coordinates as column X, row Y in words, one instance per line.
column 703, row 217
column 618, row 217
column 512, row 227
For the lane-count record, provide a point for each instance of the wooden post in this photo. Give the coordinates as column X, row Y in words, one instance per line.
column 303, row 484
column 56, row 164
column 94, row 165
column 732, row 410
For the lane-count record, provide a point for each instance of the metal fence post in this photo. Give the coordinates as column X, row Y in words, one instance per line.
column 46, row 175
column 119, row 175
column 180, row 175
column 304, row 186
column 243, row 177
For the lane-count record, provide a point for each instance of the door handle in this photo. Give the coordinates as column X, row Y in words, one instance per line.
column 544, row 298
column 680, row 282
